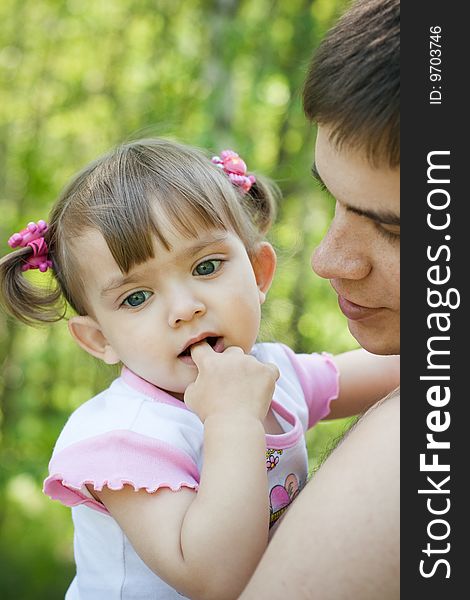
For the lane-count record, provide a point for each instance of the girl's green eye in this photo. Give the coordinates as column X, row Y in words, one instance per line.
column 207, row 267
column 137, row 298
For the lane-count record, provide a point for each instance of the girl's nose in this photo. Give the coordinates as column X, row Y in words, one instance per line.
column 342, row 253
column 184, row 308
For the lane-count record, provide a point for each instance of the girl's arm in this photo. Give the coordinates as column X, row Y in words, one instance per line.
column 332, row 545
column 364, row 379
column 207, row 544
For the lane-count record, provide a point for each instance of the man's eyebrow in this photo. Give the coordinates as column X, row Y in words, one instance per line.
column 385, row 217
column 135, row 276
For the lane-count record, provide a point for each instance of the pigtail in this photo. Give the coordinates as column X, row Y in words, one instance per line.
column 21, row 299
column 262, row 201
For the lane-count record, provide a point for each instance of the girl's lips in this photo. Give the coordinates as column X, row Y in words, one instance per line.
column 217, row 347
column 187, row 360
column 355, row 312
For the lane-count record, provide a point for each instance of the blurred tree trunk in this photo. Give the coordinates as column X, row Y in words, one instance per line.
column 217, row 72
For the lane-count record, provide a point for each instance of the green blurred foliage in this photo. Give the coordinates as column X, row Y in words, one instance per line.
column 77, row 77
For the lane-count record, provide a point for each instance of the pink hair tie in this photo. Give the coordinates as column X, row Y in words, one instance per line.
column 32, row 231
column 33, row 236
column 235, row 168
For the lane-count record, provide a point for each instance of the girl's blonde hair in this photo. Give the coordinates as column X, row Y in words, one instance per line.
column 117, row 195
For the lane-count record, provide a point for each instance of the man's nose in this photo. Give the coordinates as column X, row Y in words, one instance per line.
column 184, row 307
column 343, row 252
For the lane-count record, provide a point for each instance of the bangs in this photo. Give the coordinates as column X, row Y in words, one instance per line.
column 137, row 202
column 130, row 234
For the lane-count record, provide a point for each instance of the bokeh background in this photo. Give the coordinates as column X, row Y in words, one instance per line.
column 78, row 76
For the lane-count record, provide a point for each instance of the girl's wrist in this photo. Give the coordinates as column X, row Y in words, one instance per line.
column 236, row 421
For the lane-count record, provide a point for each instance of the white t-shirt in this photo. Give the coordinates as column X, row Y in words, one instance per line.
column 134, row 433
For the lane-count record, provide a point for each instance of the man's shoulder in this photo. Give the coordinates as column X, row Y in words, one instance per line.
column 378, row 430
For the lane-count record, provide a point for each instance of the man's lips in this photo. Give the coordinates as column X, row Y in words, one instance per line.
column 355, row 312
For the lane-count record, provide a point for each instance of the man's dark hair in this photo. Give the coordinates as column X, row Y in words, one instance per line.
column 353, row 82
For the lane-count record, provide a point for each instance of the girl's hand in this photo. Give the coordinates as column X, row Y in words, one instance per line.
column 230, row 383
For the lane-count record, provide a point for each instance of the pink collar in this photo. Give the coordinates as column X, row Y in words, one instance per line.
column 281, row 440
column 148, row 389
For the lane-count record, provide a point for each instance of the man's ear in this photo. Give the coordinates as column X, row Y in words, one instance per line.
column 263, row 260
column 88, row 335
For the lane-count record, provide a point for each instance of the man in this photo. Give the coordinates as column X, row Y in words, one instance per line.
column 340, row 539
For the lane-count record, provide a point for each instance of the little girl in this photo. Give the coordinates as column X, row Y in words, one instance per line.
column 176, row 471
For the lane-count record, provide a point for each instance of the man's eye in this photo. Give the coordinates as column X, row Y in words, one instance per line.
column 390, row 231
column 137, row 298
column 207, row 267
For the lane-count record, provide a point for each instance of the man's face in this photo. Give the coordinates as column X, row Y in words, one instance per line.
column 360, row 253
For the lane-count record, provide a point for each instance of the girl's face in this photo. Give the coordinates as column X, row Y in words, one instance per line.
column 204, row 287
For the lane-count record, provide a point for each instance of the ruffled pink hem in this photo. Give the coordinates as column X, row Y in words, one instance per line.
column 57, row 488
column 113, row 460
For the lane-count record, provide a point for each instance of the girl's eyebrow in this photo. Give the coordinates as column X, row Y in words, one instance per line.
column 117, row 282
column 134, row 276
column 385, row 217
column 202, row 244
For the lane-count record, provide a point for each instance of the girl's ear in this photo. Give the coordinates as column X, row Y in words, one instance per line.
column 88, row 335
column 264, row 266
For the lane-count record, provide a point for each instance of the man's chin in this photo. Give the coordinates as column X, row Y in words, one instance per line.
column 376, row 341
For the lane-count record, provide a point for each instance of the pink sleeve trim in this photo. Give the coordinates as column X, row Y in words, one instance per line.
column 319, row 378
column 116, row 459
